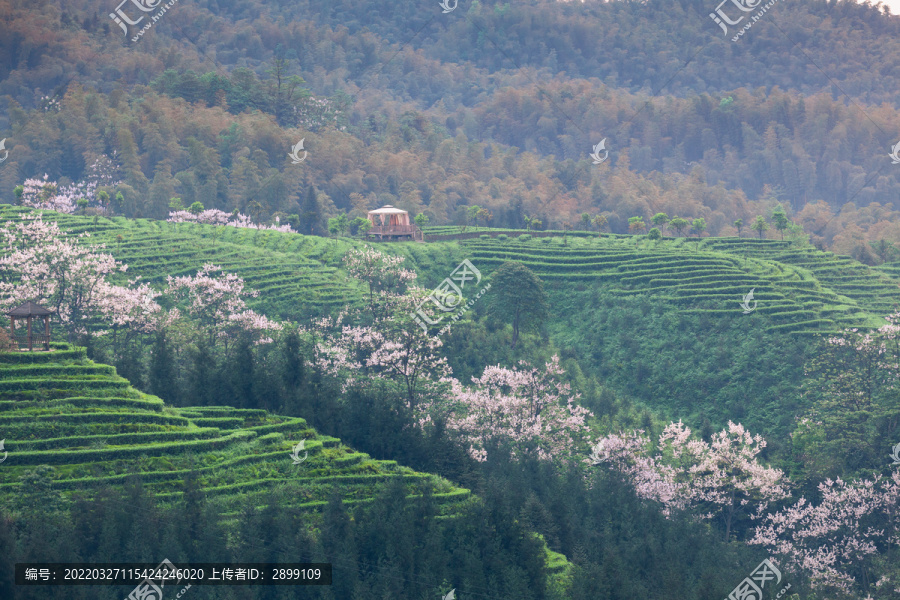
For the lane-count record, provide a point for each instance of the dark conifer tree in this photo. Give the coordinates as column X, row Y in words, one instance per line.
column 162, row 369
column 311, row 213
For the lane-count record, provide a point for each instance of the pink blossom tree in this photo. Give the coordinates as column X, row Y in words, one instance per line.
column 42, row 265
column 851, row 391
column 835, row 542
column 722, row 478
column 216, row 300
column 382, row 272
column 214, row 216
column 392, row 348
column 45, row 194
column 630, row 454
column 530, row 410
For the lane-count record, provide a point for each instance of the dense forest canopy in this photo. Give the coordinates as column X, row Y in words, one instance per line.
column 494, row 104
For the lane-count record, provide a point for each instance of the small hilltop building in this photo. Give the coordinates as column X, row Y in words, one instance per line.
column 389, row 223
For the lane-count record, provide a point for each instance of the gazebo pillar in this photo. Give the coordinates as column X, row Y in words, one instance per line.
column 29, row 333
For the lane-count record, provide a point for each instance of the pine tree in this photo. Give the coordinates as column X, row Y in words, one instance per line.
column 311, row 213
column 519, row 297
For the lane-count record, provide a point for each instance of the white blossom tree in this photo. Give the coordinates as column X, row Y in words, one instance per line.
column 722, row 478
column 216, row 300
column 528, row 409
column 837, row 540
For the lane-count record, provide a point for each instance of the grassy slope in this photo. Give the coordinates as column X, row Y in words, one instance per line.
column 798, row 290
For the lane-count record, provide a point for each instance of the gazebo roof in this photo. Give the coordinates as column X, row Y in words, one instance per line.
column 387, row 209
column 29, row 309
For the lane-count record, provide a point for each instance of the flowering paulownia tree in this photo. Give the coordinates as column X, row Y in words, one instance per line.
column 528, row 409
column 216, row 300
column 838, row 540
column 381, row 271
column 392, row 347
column 718, row 479
column 48, row 195
column 41, row 265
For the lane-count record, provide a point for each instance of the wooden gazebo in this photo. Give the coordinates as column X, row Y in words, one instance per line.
column 392, row 224
column 29, row 311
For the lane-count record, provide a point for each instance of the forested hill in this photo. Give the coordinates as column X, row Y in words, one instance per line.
column 491, row 105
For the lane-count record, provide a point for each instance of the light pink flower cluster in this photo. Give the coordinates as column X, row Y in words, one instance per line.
column 717, row 478
column 48, row 195
column 391, row 347
column 529, row 409
column 44, row 194
column 881, row 348
column 629, row 454
column 71, row 279
column 383, row 272
column 215, row 216
column 838, row 537
column 216, row 300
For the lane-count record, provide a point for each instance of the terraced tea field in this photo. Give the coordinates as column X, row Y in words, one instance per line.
column 798, row 290
column 801, row 291
column 93, row 429
column 292, row 272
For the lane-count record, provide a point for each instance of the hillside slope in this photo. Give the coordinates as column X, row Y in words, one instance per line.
column 93, row 429
column 798, row 289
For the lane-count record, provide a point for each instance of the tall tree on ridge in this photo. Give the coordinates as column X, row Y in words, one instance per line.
column 518, row 297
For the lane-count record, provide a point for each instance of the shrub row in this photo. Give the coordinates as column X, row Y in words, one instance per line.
column 85, row 456
column 229, row 410
column 17, row 385
column 221, row 422
column 98, row 417
column 111, row 440
column 42, row 357
column 282, row 427
column 37, row 370
column 159, row 476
